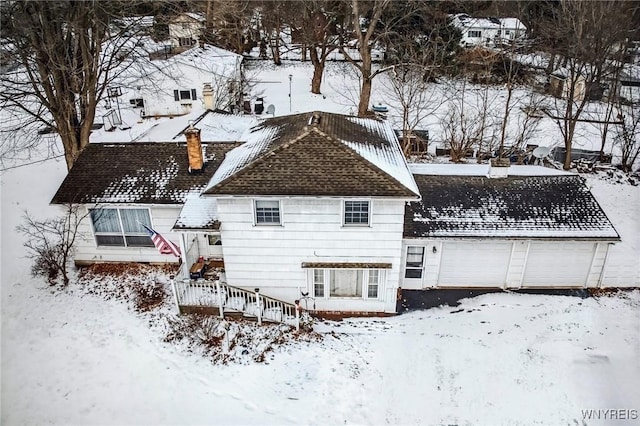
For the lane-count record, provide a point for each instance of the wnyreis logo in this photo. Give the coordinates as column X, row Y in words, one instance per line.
column 610, row 414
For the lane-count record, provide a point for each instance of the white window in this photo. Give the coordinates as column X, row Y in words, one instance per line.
column 267, row 212
column 356, row 212
column 346, row 283
column 415, row 261
column 184, row 95
column 121, row 227
column 474, row 34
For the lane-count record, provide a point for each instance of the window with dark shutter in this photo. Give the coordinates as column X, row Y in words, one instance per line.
column 193, row 94
column 176, row 95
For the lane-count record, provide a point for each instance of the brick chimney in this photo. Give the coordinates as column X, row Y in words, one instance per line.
column 194, row 149
column 207, row 96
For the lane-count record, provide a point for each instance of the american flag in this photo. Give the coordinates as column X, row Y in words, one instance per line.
column 163, row 245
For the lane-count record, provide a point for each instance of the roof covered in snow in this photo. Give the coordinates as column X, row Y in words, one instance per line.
column 544, row 206
column 141, row 173
column 462, row 20
column 316, row 153
column 198, row 213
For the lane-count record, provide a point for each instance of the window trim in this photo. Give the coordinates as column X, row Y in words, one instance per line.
column 122, row 234
column 255, row 212
column 344, row 213
column 364, row 285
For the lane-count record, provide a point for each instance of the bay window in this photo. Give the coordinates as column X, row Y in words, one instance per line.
column 347, row 283
column 121, row 227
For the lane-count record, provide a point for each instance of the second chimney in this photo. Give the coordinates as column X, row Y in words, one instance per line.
column 207, row 96
column 194, row 149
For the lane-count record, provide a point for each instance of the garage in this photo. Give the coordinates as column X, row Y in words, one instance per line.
column 558, row 264
column 474, row 264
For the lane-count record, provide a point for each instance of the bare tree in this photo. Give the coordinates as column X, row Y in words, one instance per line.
column 69, row 52
column 628, row 135
column 51, row 242
column 415, row 62
column 316, row 26
column 368, row 13
column 586, row 35
column 468, row 123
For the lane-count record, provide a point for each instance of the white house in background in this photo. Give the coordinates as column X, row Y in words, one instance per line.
column 176, row 84
column 185, row 30
column 488, row 32
column 325, row 204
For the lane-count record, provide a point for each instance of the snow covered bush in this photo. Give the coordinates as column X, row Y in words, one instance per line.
column 51, row 242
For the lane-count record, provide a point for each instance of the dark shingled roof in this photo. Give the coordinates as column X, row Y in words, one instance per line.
column 511, row 207
column 137, row 173
column 316, row 154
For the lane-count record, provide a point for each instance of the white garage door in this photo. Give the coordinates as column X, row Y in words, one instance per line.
column 554, row 264
column 474, row 264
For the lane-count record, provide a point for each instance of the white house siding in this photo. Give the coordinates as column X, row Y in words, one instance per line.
column 162, row 220
column 185, row 27
column 508, row 263
column 270, row 257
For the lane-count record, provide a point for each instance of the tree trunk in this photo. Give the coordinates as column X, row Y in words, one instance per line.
column 365, row 96
column 318, row 70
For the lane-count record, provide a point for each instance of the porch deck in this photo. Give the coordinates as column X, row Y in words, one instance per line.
column 218, row 298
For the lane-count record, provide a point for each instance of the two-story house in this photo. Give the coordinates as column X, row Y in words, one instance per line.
column 325, row 205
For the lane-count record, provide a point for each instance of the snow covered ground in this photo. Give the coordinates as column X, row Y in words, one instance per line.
column 69, row 358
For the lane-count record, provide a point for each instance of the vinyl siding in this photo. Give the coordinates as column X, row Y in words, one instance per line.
column 269, row 257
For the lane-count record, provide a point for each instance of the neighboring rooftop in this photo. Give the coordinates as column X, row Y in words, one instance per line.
column 145, row 173
column 215, row 126
column 543, row 206
column 316, row 153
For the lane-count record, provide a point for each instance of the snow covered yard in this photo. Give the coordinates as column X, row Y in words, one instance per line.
column 74, row 358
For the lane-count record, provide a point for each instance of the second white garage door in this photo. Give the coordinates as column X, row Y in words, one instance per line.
column 558, row 264
column 474, row 264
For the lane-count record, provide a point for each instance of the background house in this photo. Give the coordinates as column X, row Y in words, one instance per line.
column 175, row 84
column 185, row 30
column 488, row 32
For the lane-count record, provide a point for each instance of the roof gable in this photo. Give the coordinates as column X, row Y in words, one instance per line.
column 512, row 207
column 316, row 154
column 144, row 173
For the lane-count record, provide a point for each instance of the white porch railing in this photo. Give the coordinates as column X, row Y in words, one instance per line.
column 215, row 294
